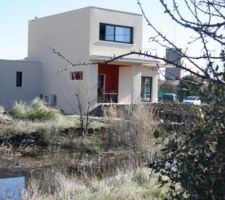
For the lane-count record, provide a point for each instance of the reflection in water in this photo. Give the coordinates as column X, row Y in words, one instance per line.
column 12, row 188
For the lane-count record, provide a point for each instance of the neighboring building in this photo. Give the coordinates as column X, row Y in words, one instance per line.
column 84, row 35
column 172, row 72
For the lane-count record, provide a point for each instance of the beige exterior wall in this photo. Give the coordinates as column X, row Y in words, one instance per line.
column 148, row 71
column 98, row 47
column 130, row 83
column 125, row 85
column 68, row 33
column 9, row 93
column 76, row 35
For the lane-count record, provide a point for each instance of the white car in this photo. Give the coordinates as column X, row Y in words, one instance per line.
column 194, row 100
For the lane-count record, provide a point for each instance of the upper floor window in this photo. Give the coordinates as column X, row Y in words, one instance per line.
column 115, row 33
column 19, row 79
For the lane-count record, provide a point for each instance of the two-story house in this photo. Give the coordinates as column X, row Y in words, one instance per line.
column 88, row 35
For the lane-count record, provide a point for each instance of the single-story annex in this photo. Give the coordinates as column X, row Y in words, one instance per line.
column 88, row 35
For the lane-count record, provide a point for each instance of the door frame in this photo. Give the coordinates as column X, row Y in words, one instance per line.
column 103, row 86
column 151, row 85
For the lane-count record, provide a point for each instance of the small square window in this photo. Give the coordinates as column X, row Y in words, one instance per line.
column 77, row 75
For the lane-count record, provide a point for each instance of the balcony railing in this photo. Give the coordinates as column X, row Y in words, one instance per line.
column 111, row 97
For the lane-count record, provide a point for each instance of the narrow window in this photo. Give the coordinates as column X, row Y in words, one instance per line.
column 116, row 33
column 19, row 79
column 77, row 75
column 146, row 88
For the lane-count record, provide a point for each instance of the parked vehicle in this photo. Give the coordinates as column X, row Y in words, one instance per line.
column 194, row 100
column 171, row 97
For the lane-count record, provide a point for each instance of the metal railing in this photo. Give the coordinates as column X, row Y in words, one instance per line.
column 111, row 97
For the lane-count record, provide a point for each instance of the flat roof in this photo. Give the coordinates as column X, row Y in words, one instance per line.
column 88, row 7
column 113, row 10
column 22, row 60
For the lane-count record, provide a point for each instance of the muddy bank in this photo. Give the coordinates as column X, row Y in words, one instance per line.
column 37, row 138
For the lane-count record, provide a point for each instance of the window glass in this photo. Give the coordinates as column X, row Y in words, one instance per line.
column 109, row 33
column 123, row 34
column 191, row 98
column 146, row 85
column 102, row 32
column 114, row 33
column 19, row 79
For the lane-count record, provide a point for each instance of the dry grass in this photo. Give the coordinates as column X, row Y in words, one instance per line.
column 132, row 185
column 34, row 117
column 95, row 143
column 133, row 127
column 58, row 134
column 26, row 126
column 37, row 110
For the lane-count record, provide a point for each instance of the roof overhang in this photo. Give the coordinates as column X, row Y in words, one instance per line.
column 126, row 60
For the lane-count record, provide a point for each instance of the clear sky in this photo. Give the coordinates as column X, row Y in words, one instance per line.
column 14, row 16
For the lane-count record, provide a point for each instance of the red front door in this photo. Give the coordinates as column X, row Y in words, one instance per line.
column 108, row 83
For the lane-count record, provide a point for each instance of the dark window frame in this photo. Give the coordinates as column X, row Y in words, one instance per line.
column 102, row 30
column 19, row 79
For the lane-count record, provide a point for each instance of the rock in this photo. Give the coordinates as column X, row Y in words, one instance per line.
column 4, row 116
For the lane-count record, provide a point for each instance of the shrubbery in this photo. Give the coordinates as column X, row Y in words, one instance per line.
column 37, row 110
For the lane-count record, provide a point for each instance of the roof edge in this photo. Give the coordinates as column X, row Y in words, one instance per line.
column 114, row 10
column 85, row 8
column 22, row 60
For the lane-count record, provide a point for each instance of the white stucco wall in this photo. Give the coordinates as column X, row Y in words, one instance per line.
column 31, row 80
column 148, row 71
column 125, row 85
column 98, row 47
column 130, row 83
column 68, row 33
column 76, row 35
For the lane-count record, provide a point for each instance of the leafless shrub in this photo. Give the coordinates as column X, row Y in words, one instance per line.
column 134, row 128
column 82, row 103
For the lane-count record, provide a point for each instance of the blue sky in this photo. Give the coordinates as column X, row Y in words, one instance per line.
column 14, row 16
